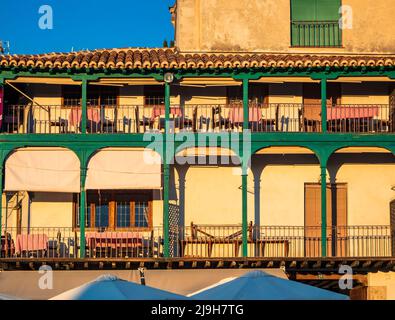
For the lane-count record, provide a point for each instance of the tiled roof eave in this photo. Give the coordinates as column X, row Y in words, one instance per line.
column 165, row 58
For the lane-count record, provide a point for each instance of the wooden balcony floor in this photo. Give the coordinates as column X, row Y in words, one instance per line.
column 326, row 265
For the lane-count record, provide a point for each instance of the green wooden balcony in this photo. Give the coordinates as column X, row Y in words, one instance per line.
column 132, row 119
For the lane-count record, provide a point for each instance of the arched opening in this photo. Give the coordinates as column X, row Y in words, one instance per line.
column 123, row 190
column 40, row 185
column 360, row 184
column 207, row 191
column 286, row 203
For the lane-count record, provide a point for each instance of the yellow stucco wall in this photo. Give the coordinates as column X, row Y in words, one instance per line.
column 264, row 26
column 383, row 279
column 51, row 210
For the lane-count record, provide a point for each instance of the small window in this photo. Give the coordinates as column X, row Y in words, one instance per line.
column 257, row 94
column 154, row 96
column 96, row 96
column 117, row 210
column 315, row 23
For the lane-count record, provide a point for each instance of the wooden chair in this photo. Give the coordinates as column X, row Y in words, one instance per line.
column 143, row 122
column 201, row 237
column 218, row 120
column 7, row 246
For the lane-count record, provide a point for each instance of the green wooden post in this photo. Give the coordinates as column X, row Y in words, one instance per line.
column 323, row 211
column 323, row 105
column 84, row 86
column 82, row 211
column 245, row 172
column 166, row 174
column 245, row 104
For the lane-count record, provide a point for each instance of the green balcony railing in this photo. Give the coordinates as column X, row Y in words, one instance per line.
column 316, row 34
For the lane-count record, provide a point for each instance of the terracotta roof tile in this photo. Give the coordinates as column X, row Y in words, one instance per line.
column 170, row 58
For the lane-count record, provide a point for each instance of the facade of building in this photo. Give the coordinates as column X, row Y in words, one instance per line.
column 275, row 127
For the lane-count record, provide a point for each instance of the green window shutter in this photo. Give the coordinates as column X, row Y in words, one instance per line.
column 327, row 10
column 303, row 10
column 314, row 23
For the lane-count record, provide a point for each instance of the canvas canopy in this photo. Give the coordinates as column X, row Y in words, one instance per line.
column 42, row 169
column 124, row 169
column 259, row 285
column 110, row 287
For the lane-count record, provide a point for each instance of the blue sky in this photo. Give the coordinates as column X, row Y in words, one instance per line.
column 85, row 24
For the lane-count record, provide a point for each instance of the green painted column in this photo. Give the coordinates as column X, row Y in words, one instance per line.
column 84, row 87
column 244, row 174
column 245, row 103
column 323, row 211
column 82, row 211
column 323, row 105
column 166, row 175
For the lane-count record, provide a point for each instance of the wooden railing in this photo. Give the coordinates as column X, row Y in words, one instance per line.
column 200, row 241
column 272, row 117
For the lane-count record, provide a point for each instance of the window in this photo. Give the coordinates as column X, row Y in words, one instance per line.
column 117, row 210
column 315, row 23
column 96, row 96
column 258, row 94
column 154, row 96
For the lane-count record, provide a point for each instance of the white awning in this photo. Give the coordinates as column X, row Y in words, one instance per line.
column 42, row 169
column 121, row 168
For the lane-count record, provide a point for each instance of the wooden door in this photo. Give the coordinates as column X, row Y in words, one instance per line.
column 336, row 219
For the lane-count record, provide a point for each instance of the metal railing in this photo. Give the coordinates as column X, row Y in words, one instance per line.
column 200, row 241
column 272, row 117
column 316, row 34
column 40, row 242
column 361, row 118
column 285, row 241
